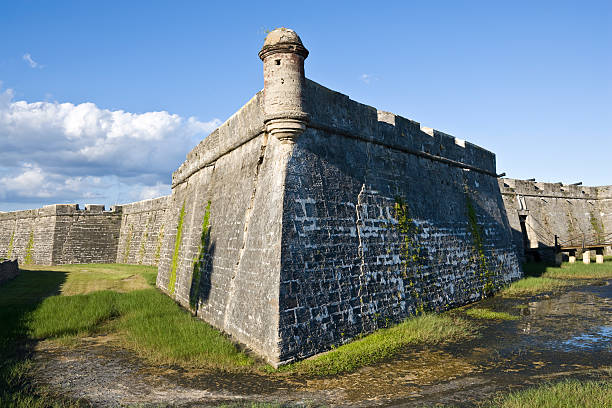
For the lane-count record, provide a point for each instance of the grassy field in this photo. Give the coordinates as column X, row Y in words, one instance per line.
column 564, row 394
column 66, row 303
column 540, row 278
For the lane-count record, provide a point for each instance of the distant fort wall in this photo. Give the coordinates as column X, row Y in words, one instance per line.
column 65, row 234
column 538, row 211
column 142, row 231
column 28, row 235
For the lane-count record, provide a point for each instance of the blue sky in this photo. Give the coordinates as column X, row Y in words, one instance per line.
column 100, row 101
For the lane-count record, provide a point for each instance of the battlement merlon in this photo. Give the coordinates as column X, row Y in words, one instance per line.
column 90, row 209
column 290, row 103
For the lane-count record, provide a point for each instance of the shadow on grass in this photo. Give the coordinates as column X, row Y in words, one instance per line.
column 18, row 299
column 534, row 269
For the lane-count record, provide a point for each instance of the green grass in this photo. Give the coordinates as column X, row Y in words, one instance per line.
column 487, row 314
column 541, row 278
column 97, row 274
column 579, row 270
column 147, row 321
column 384, row 343
column 18, row 299
column 533, row 286
column 68, row 302
column 564, row 394
column 252, row 405
column 34, row 307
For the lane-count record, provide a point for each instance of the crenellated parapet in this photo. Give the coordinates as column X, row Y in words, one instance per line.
column 343, row 117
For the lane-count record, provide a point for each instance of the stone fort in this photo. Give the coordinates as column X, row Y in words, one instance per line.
column 307, row 219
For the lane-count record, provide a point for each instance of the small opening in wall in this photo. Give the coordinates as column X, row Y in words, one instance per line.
column 277, row 62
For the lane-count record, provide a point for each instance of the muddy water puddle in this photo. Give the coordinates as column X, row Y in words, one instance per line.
column 565, row 335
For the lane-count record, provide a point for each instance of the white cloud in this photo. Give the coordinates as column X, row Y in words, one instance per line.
column 33, row 64
column 62, row 152
column 158, row 190
column 368, row 78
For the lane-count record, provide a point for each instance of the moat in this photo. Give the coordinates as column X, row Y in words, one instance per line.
column 567, row 334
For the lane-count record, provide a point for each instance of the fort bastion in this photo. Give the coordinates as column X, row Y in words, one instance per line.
column 307, row 219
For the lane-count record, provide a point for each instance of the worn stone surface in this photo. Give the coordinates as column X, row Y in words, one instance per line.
column 373, row 233
column 142, row 231
column 237, row 261
column 85, row 236
column 9, row 269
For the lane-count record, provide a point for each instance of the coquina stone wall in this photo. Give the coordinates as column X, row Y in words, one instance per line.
column 28, row 235
column 549, row 209
column 221, row 252
column 65, row 234
column 383, row 219
column 142, row 231
column 85, row 236
column 307, row 218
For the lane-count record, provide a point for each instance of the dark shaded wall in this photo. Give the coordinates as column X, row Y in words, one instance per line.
column 374, row 231
column 9, row 269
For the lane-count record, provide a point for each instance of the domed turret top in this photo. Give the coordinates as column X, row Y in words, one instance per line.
column 282, row 40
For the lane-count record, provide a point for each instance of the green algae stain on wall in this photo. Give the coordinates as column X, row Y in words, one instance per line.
column 485, row 275
column 410, row 250
column 29, row 256
column 177, row 246
column 598, row 227
column 199, row 262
